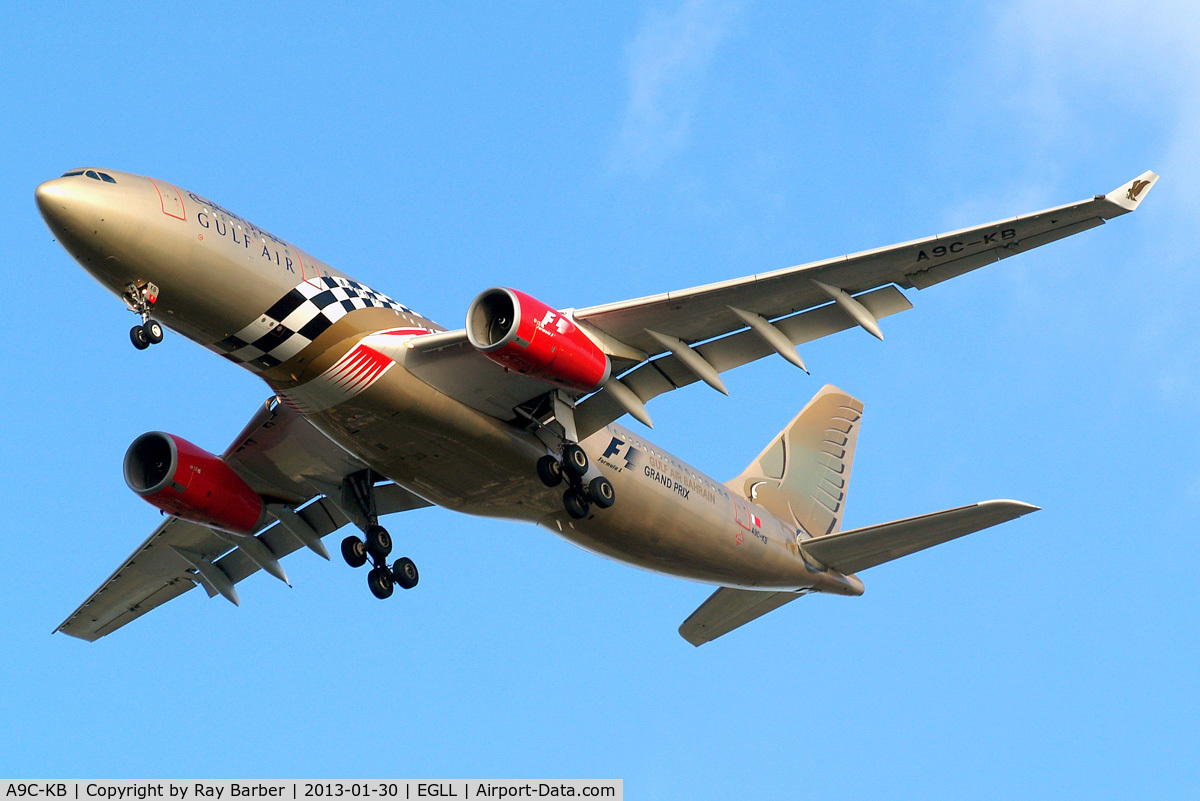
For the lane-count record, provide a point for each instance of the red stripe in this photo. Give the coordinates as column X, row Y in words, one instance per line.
column 367, row 362
column 354, row 377
column 348, row 368
column 400, row 332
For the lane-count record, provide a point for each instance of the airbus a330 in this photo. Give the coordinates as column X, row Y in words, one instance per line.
column 376, row 409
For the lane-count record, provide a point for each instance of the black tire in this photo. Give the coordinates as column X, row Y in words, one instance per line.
column 575, row 460
column 379, row 542
column 154, row 332
column 380, row 582
column 405, row 573
column 137, row 335
column 577, row 503
column 600, row 492
column 354, row 551
column 550, row 471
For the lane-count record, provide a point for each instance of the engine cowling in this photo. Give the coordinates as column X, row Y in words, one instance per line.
column 190, row 483
column 524, row 335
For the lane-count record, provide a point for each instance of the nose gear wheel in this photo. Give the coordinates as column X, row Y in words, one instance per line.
column 141, row 300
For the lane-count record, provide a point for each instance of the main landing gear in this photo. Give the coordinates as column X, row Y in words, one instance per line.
column 141, row 300
column 578, row 498
column 552, row 418
column 381, row 579
column 376, row 543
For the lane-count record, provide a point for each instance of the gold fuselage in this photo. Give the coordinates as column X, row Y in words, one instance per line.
column 219, row 275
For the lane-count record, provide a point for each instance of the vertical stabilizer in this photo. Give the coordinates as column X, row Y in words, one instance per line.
column 803, row 475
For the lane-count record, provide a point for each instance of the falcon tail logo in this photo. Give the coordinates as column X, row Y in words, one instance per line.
column 1136, row 189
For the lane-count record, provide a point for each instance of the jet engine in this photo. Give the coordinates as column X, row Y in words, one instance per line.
column 190, row 483
column 522, row 334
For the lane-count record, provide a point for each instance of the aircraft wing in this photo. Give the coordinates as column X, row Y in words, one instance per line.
column 723, row 323
column 283, row 458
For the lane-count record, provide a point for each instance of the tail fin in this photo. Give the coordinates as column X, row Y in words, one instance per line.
column 804, row 473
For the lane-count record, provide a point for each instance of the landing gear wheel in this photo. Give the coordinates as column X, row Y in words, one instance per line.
column 577, row 503
column 380, row 582
column 575, row 460
column 405, row 573
column 550, row 471
column 601, row 493
column 354, row 551
column 154, row 332
column 137, row 335
column 379, row 542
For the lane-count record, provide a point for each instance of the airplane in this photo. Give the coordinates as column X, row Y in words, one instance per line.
column 376, row 409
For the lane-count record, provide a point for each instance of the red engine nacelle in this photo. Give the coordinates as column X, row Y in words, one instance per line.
column 523, row 334
column 190, row 483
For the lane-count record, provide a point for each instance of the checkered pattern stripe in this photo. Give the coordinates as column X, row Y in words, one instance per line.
column 298, row 318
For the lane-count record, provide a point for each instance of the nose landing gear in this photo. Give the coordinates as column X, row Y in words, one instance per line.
column 140, row 301
column 358, row 494
column 147, row 334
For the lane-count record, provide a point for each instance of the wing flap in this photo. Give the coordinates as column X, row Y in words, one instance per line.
column 862, row 548
column 324, row 518
column 727, row 609
column 664, row 374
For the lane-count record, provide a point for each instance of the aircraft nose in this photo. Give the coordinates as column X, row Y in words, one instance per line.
column 59, row 203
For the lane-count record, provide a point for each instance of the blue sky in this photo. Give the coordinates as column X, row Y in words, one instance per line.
column 589, row 156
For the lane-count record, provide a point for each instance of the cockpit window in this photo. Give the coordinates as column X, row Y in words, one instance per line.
column 95, row 175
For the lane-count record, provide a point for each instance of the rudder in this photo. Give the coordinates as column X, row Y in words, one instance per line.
column 803, row 475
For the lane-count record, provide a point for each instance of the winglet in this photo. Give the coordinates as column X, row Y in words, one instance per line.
column 1131, row 194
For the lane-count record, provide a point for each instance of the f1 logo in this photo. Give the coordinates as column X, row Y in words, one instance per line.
column 630, row 456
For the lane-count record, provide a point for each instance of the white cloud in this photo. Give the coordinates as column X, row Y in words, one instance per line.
column 1080, row 75
column 668, row 60
column 1137, row 59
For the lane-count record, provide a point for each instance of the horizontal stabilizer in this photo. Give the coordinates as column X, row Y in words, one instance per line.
column 861, row 548
column 728, row 608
